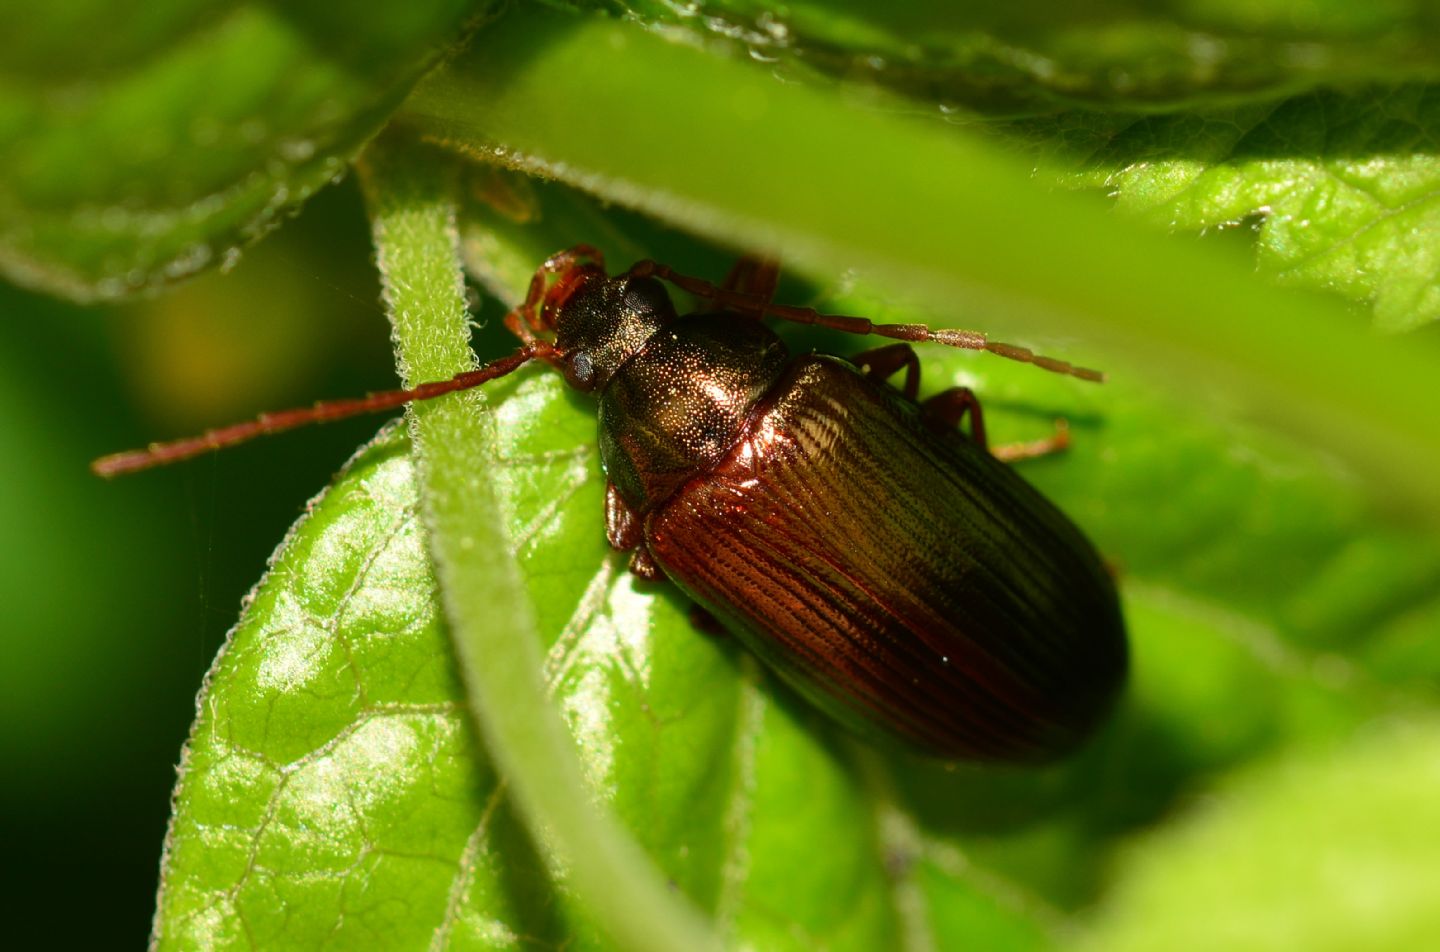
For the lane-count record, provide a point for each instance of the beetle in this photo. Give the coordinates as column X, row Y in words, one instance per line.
column 885, row 563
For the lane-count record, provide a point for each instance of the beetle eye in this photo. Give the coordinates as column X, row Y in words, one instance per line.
column 581, row 371
column 646, row 295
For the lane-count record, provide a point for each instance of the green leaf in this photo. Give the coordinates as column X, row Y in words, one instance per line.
column 1037, row 54
column 1335, row 852
column 1338, row 188
column 140, row 143
column 774, row 823
column 332, row 765
column 333, row 788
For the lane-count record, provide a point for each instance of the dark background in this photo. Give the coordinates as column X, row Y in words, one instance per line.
column 115, row 596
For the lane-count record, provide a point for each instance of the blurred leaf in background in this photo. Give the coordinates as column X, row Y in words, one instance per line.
column 143, row 142
column 1281, row 581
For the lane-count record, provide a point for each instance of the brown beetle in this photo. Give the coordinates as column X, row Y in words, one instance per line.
column 887, row 565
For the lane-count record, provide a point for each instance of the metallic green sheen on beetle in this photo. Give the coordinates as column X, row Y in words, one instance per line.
column 882, row 561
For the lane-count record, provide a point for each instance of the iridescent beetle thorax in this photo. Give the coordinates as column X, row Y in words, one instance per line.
column 675, row 408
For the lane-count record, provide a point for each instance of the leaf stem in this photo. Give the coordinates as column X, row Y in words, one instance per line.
column 491, row 620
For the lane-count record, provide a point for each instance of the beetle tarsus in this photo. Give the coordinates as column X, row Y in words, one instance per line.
column 643, row 565
column 1058, row 442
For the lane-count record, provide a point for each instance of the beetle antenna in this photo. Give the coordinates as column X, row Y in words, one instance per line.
column 913, row 333
column 159, row 454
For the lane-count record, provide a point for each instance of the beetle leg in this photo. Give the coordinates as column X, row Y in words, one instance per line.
column 627, row 534
column 622, row 526
column 1056, row 443
column 643, row 564
column 914, row 333
column 529, row 310
column 520, row 327
column 754, row 276
column 882, row 362
column 946, row 411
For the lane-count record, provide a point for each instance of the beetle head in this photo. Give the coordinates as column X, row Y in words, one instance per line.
column 599, row 322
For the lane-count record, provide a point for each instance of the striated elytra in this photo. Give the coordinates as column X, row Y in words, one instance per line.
column 882, row 561
column 886, row 565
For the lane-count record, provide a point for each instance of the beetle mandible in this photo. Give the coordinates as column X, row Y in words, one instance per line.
column 882, row 561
